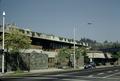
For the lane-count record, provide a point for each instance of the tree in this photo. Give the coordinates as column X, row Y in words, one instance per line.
column 82, row 52
column 15, row 41
column 116, row 55
column 63, row 54
column 79, row 52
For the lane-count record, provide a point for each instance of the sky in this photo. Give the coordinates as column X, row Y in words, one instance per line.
column 95, row 19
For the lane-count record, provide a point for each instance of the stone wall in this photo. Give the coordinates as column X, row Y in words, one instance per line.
column 28, row 61
column 38, row 61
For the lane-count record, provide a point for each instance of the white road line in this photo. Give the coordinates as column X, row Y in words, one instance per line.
column 111, row 75
column 0, row 74
column 70, row 73
column 109, row 71
column 86, row 77
column 74, row 80
column 116, row 70
column 94, row 77
column 100, row 73
column 90, row 76
column 57, row 75
column 40, row 78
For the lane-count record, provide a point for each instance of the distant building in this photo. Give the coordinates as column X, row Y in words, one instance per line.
column 101, row 58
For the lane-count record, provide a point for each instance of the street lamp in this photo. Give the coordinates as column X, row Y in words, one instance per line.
column 74, row 50
column 3, row 42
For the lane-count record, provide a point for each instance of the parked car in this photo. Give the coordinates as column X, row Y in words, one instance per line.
column 90, row 65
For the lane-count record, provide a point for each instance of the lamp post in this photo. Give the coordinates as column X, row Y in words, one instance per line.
column 3, row 42
column 74, row 50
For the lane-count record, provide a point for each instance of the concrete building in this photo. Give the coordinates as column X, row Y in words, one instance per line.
column 45, row 43
column 50, row 45
column 101, row 58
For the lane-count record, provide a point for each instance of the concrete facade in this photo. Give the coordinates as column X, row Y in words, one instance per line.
column 45, row 43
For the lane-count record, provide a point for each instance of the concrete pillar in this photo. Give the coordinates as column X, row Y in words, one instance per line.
column 91, row 60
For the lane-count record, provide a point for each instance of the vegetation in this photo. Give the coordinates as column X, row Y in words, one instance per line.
column 15, row 41
column 65, row 54
column 116, row 54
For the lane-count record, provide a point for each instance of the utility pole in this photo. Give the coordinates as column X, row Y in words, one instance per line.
column 3, row 43
column 74, row 50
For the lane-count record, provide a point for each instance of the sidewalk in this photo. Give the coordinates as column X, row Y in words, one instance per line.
column 103, row 66
column 31, row 72
column 41, row 72
column 45, row 71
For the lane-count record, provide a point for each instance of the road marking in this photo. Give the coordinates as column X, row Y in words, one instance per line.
column 95, row 77
column 57, row 75
column 86, row 77
column 90, row 76
column 0, row 74
column 116, row 70
column 41, row 78
column 111, row 75
column 109, row 71
column 70, row 73
column 74, row 80
column 100, row 73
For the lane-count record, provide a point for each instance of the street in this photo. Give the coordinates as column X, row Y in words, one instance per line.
column 99, row 74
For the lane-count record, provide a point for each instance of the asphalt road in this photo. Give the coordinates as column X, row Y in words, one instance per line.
column 101, row 74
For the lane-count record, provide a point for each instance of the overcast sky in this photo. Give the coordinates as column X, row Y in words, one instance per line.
column 59, row 17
